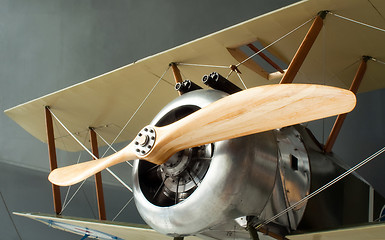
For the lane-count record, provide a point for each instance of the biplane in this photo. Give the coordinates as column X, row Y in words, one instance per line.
column 230, row 157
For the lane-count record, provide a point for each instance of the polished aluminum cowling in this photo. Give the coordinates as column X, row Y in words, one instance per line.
column 203, row 187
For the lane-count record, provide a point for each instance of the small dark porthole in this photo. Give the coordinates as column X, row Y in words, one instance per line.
column 294, row 162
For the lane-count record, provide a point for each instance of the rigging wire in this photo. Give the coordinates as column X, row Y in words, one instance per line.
column 357, row 166
column 87, row 150
column 376, row 60
column 67, row 201
column 279, row 39
column 382, row 215
column 240, row 78
column 89, row 203
column 121, row 210
column 358, row 22
column 65, row 147
column 271, row 44
column 73, row 195
column 109, row 145
column 201, row 65
column 140, row 106
column 69, row 187
column 10, row 216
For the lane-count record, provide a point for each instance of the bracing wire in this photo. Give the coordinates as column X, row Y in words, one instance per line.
column 240, row 78
column 10, row 216
column 121, row 210
column 271, row 44
column 357, row 22
column 139, row 107
column 69, row 187
column 381, row 216
column 73, row 195
column 87, row 150
column 201, row 65
column 109, row 145
column 332, row 182
column 279, row 39
column 65, row 147
column 377, row 60
column 65, row 203
column 89, row 203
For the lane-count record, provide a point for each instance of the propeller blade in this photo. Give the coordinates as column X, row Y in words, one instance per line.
column 247, row 112
column 73, row 174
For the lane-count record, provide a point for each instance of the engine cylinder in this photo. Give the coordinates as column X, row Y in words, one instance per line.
column 202, row 187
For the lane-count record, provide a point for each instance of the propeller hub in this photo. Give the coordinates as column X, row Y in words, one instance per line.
column 145, row 140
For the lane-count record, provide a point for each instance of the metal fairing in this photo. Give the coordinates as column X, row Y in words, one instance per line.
column 291, row 184
column 238, row 182
column 294, row 169
column 333, row 207
column 326, row 205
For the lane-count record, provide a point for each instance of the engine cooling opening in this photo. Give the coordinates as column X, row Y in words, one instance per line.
column 175, row 180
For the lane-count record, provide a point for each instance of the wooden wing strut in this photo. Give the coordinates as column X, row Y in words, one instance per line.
column 98, row 178
column 304, row 49
column 341, row 118
column 52, row 159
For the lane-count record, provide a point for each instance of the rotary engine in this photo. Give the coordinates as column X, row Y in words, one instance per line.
column 211, row 185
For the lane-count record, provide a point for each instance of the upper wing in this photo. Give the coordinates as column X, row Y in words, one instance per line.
column 368, row 232
column 97, row 229
column 107, row 102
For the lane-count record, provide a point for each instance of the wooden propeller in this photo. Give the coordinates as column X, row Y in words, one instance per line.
column 247, row 112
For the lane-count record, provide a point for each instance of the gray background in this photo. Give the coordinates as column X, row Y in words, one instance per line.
column 46, row 45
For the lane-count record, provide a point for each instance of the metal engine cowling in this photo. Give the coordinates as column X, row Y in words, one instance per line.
column 202, row 187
